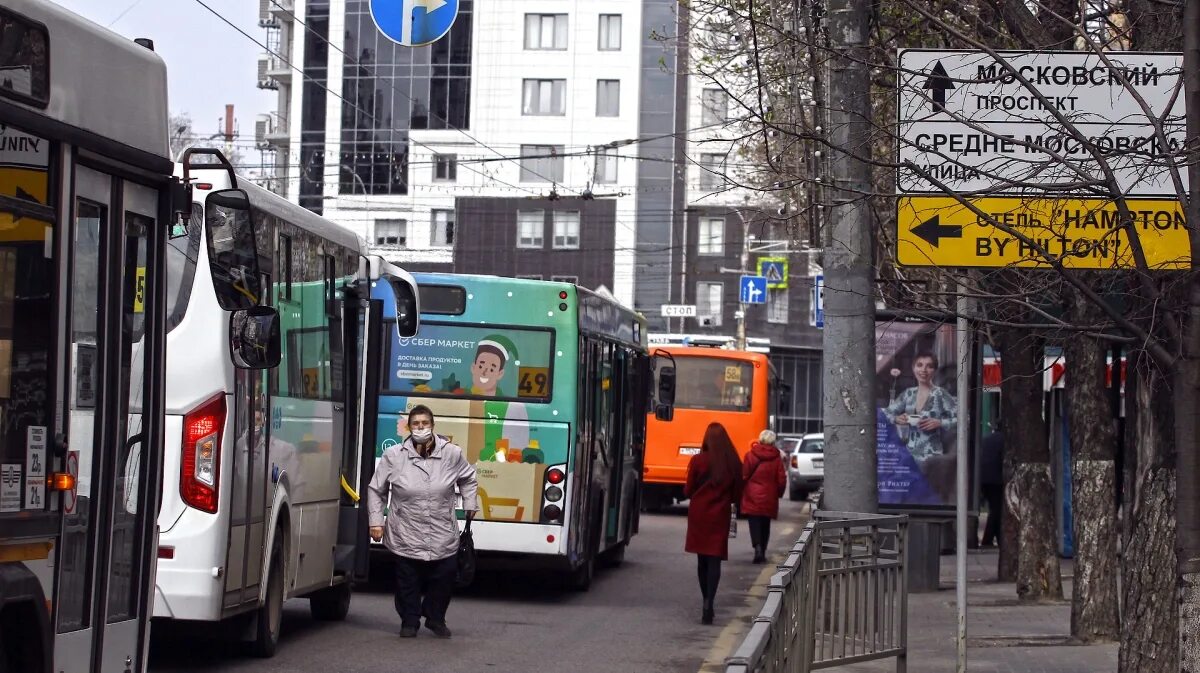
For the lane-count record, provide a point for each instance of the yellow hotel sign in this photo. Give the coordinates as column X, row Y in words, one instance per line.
column 1083, row 233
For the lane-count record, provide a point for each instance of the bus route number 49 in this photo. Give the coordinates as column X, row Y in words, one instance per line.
column 534, row 381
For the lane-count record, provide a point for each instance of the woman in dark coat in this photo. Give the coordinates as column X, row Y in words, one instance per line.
column 714, row 483
column 765, row 480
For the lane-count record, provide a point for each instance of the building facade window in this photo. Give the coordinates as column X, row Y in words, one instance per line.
column 389, row 90
column 610, row 32
column 445, row 167
column 606, row 166
column 545, row 31
column 391, row 232
column 608, row 98
column 566, row 230
column 542, row 163
column 711, row 240
column 714, row 107
column 574, row 280
column 544, row 97
column 708, row 303
column 777, row 306
column 443, row 228
column 712, row 171
column 531, row 228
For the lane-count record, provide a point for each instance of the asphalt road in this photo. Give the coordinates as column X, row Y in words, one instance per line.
column 641, row 616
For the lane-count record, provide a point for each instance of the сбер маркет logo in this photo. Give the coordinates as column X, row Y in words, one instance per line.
column 414, row 23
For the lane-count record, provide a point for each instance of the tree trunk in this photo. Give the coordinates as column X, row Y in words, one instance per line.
column 1030, row 493
column 1093, row 482
column 1149, row 618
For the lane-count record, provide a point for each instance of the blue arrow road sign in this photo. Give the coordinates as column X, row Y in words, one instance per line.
column 753, row 290
column 413, row 23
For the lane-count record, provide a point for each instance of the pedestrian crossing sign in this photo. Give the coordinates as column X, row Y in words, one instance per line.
column 775, row 270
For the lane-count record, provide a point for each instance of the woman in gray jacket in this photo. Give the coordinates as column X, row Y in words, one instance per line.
column 419, row 475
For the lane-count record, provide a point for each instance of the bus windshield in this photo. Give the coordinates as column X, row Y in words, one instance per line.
column 714, row 384
column 486, row 362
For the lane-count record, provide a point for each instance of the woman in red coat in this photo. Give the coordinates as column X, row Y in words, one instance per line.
column 714, row 483
column 765, row 480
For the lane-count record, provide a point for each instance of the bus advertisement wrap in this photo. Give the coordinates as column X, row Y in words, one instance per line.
column 916, row 399
column 490, row 373
column 469, row 361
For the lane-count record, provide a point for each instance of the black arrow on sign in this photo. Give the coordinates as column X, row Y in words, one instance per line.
column 939, row 83
column 932, row 230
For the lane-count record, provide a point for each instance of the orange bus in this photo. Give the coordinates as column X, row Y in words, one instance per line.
column 737, row 389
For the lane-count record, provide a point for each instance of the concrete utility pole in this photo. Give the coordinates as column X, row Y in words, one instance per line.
column 849, row 336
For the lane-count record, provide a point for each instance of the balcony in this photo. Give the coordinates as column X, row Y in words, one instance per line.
column 275, row 13
column 271, row 132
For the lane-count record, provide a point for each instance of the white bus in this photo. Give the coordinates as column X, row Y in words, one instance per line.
column 87, row 203
column 259, row 477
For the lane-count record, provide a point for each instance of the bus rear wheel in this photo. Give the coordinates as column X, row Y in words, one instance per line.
column 580, row 579
column 270, row 615
column 332, row 604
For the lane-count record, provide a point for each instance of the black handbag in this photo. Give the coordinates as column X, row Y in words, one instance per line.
column 466, row 558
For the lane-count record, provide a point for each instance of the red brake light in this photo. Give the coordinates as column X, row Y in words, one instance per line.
column 562, row 294
column 199, row 469
column 166, row 552
column 555, row 476
column 795, row 461
column 204, row 185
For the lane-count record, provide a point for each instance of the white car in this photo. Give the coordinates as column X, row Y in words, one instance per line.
column 805, row 464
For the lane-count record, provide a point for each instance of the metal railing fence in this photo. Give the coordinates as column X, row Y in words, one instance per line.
column 840, row 597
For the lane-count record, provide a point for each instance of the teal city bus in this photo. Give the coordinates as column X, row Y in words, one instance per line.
column 545, row 386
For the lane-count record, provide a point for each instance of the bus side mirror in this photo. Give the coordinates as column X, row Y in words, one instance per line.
column 407, row 318
column 254, row 338
column 664, row 409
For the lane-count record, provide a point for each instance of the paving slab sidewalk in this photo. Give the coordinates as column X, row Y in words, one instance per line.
column 1003, row 635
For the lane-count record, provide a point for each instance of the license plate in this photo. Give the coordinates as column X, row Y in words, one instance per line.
column 818, row 463
column 689, row 450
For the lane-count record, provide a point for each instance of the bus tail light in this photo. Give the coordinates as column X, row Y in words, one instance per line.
column 199, row 471
column 553, row 494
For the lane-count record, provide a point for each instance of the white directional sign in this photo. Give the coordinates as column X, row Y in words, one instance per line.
column 968, row 123
column 679, row 310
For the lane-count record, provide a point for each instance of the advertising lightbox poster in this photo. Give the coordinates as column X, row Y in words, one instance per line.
column 917, row 412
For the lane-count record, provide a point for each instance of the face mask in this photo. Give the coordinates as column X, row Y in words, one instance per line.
column 422, row 434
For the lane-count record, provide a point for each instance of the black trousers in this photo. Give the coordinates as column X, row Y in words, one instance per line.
column 708, row 570
column 423, row 588
column 993, row 494
column 760, row 530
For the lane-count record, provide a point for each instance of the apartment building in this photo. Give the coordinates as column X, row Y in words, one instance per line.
column 548, row 138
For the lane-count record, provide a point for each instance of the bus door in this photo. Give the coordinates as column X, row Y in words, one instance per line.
column 619, row 444
column 248, row 490
column 105, row 562
column 362, row 354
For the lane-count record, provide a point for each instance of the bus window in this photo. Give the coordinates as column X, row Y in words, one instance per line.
column 232, row 253
column 181, row 268
column 714, row 384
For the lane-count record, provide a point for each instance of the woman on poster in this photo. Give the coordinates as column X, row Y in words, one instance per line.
column 924, row 412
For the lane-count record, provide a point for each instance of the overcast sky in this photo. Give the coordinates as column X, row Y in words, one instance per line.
column 209, row 64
